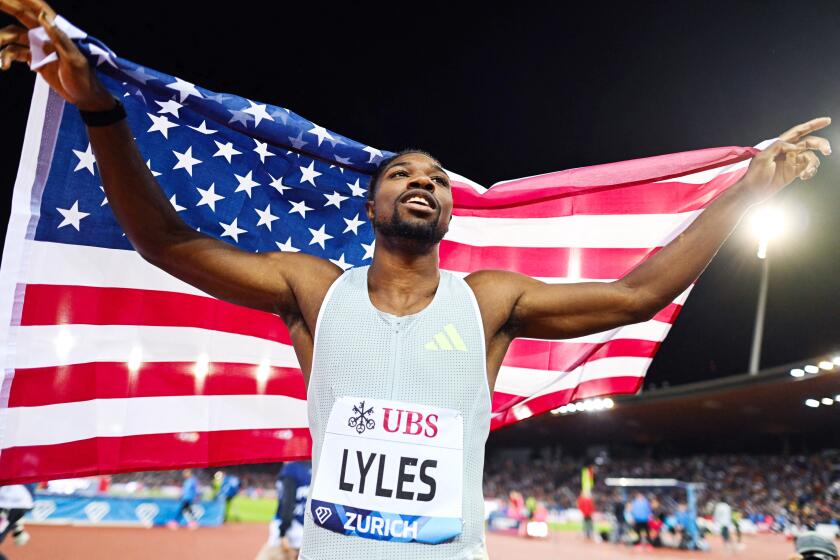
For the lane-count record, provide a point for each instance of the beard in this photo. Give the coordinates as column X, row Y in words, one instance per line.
column 425, row 234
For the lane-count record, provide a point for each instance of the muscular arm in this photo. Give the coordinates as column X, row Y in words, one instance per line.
column 290, row 285
column 267, row 281
column 521, row 306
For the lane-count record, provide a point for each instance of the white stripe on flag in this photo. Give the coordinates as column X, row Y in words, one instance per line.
column 48, row 345
column 149, row 415
column 528, row 382
column 626, row 231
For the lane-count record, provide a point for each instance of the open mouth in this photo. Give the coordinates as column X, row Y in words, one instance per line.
column 420, row 200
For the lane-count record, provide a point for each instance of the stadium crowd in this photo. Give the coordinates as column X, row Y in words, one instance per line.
column 801, row 489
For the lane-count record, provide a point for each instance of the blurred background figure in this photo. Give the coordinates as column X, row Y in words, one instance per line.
column 226, row 485
column 813, row 546
column 189, row 494
column 640, row 511
column 286, row 530
column 586, row 505
column 722, row 517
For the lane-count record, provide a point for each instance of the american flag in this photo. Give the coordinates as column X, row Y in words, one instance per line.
column 112, row 365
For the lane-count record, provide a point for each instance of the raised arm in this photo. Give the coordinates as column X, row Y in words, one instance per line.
column 276, row 282
column 555, row 311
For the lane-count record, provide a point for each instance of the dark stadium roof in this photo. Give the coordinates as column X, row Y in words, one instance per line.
column 729, row 413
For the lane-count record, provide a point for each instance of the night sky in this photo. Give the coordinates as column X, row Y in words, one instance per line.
column 501, row 94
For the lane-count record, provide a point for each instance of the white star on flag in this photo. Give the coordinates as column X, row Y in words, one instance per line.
column 258, row 111
column 375, row 155
column 368, row 250
column 103, row 55
column 232, row 230
column 308, row 174
column 278, row 184
column 321, row 133
column 300, row 207
column 341, row 262
column 262, row 149
column 353, row 225
column 297, row 141
column 335, row 199
column 185, row 160
column 209, row 196
column 319, row 236
column 105, row 199
column 246, row 183
column 202, row 128
column 175, row 205
column 356, row 189
column 73, row 217
column 226, row 150
column 149, row 165
column 161, row 124
column 287, row 246
column 266, row 217
column 86, row 160
column 185, row 89
column 171, row 106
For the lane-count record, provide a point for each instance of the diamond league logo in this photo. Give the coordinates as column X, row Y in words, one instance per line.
column 360, row 419
column 322, row 513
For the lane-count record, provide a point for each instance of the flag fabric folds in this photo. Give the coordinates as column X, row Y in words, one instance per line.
column 112, row 365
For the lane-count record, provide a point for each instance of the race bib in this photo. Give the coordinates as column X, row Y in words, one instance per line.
column 390, row 471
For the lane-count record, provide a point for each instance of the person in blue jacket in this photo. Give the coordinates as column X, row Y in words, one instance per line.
column 189, row 494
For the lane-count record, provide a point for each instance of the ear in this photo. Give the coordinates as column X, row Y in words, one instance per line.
column 369, row 207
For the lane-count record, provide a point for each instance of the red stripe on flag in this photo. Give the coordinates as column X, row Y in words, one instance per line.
column 544, row 262
column 642, row 198
column 565, row 356
column 111, row 380
column 152, row 452
column 618, row 385
column 48, row 304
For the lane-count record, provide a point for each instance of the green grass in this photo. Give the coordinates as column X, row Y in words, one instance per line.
column 261, row 510
column 249, row 510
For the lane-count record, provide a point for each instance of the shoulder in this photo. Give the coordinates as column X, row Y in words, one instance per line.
column 496, row 292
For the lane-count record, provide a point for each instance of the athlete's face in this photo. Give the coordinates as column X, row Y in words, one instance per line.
column 413, row 200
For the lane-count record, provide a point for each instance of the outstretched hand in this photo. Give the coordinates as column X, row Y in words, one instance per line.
column 791, row 156
column 70, row 76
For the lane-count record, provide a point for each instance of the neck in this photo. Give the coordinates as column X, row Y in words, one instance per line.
column 402, row 271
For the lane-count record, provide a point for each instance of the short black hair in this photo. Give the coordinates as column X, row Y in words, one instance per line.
column 374, row 178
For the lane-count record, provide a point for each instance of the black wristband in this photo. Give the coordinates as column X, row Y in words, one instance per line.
column 104, row 118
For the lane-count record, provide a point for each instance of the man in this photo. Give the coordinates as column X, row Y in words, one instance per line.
column 189, row 493
column 641, row 511
column 399, row 411
column 228, row 488
column 722, row 516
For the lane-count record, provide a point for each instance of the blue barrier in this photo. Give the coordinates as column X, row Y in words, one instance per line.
column 105, row 510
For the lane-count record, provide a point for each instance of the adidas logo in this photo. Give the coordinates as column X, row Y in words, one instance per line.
column 447, row 339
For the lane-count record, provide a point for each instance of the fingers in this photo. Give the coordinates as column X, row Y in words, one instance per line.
column 20, row 11
column 14, row 52
column 64, row 46
column 811, row 162
column 800, row 130
column 14, row 34
column 815, row 143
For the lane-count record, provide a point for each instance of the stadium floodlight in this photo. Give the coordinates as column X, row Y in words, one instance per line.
column 796, row 372
column 811, row 369
column 827, row 401
column 768, row 222
column 813, row 403
column 837, row 398
column 608, row 403
column 825, row 364
column 836, row 360
column 201, row 367
column 135, row 359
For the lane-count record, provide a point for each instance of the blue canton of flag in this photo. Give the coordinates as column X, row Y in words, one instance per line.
column 254, row 175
